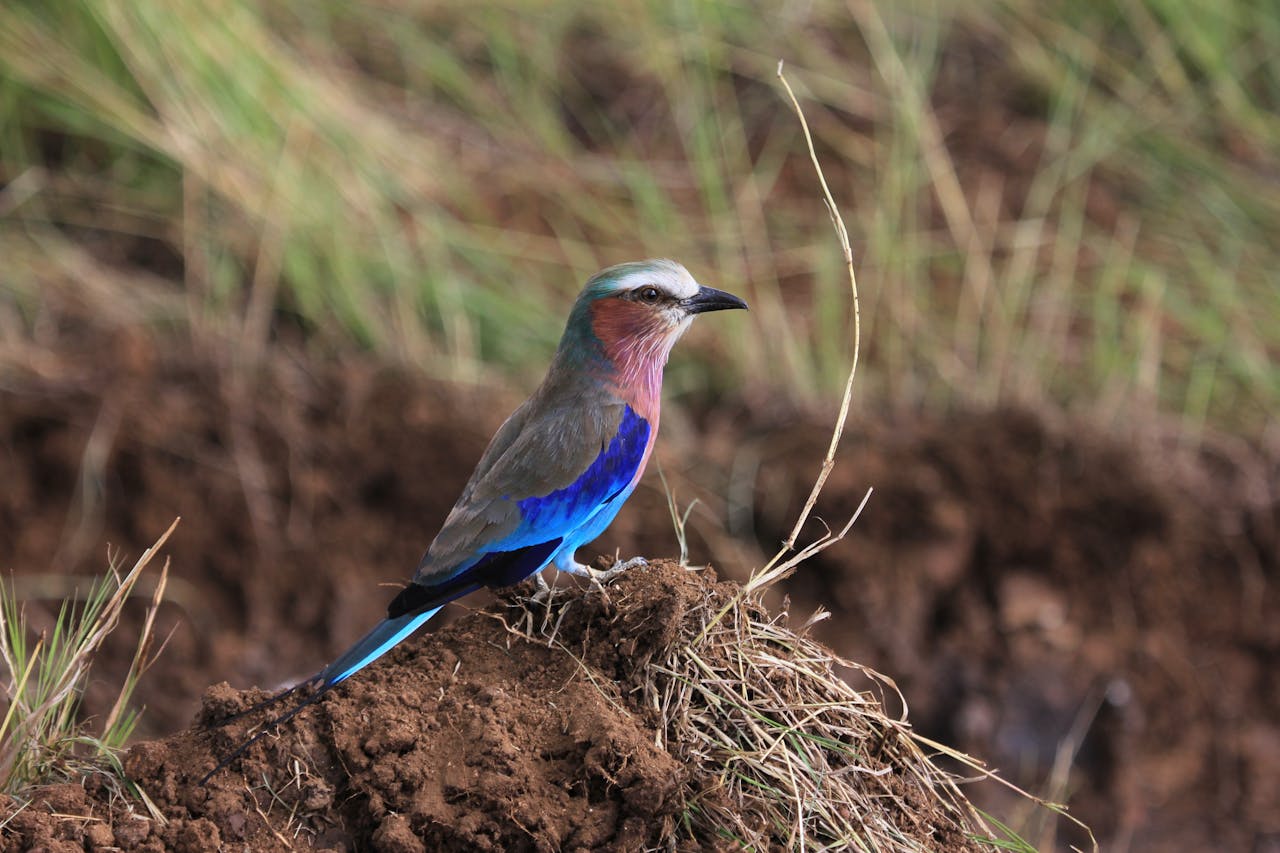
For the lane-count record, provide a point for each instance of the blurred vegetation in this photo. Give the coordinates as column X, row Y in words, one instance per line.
column 1061, row 202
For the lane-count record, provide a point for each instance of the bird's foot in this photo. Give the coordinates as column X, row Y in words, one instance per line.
column 600, row 577
column 544, row 597
column 618, row 568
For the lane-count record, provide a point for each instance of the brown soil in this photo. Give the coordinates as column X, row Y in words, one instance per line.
column 1027, row 583
column 493, row 733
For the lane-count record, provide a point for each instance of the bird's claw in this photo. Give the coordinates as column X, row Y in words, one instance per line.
column 618, row 568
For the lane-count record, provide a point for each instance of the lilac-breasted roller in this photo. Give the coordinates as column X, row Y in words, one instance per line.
column 556, row 473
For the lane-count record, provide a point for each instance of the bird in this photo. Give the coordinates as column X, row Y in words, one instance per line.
column 556, row 472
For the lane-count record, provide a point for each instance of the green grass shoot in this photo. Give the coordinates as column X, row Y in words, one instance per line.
column 42, row 736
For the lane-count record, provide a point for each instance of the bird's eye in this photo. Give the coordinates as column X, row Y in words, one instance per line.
column 649, row 294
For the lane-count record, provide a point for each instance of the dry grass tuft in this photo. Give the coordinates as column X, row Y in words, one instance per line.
column 785, row 751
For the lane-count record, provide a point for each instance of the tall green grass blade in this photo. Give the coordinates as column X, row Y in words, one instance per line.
column 41, row 737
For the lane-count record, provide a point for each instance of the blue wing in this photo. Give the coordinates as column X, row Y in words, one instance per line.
column 546, row 523
column 612, row 472
column 480, row 527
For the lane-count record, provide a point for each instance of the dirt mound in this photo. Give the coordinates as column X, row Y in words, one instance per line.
column 525, row 726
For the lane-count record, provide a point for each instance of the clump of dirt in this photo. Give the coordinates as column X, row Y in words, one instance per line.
column 530, row 725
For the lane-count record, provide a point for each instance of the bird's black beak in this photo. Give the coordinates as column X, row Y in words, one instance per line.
column 710, row 299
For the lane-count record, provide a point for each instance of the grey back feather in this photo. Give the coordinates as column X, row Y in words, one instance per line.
column 545, row 445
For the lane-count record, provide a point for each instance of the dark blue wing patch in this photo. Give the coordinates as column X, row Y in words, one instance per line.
column 609, row 475
column 497, row 568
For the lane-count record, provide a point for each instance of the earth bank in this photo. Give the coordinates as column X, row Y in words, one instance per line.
column 1029, row 582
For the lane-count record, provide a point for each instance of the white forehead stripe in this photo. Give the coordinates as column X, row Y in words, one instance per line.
column 668, row 275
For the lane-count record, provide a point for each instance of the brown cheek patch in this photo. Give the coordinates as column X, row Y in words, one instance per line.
column 613, row 320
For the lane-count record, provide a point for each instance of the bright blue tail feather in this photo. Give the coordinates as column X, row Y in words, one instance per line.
column 385, row 636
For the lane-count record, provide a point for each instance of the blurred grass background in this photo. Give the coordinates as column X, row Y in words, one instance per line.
column 1061, row 203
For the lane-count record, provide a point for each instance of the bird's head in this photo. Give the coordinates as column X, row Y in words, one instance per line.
column 629, row 316
column 637, row 311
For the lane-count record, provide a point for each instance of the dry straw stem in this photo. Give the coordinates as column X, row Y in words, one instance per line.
column 802, row 736
column 781, row 565
column 41, row 736
column 842, row 233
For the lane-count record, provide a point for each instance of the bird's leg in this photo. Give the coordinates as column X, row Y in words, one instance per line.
column 543, row 595
column 573, row 567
